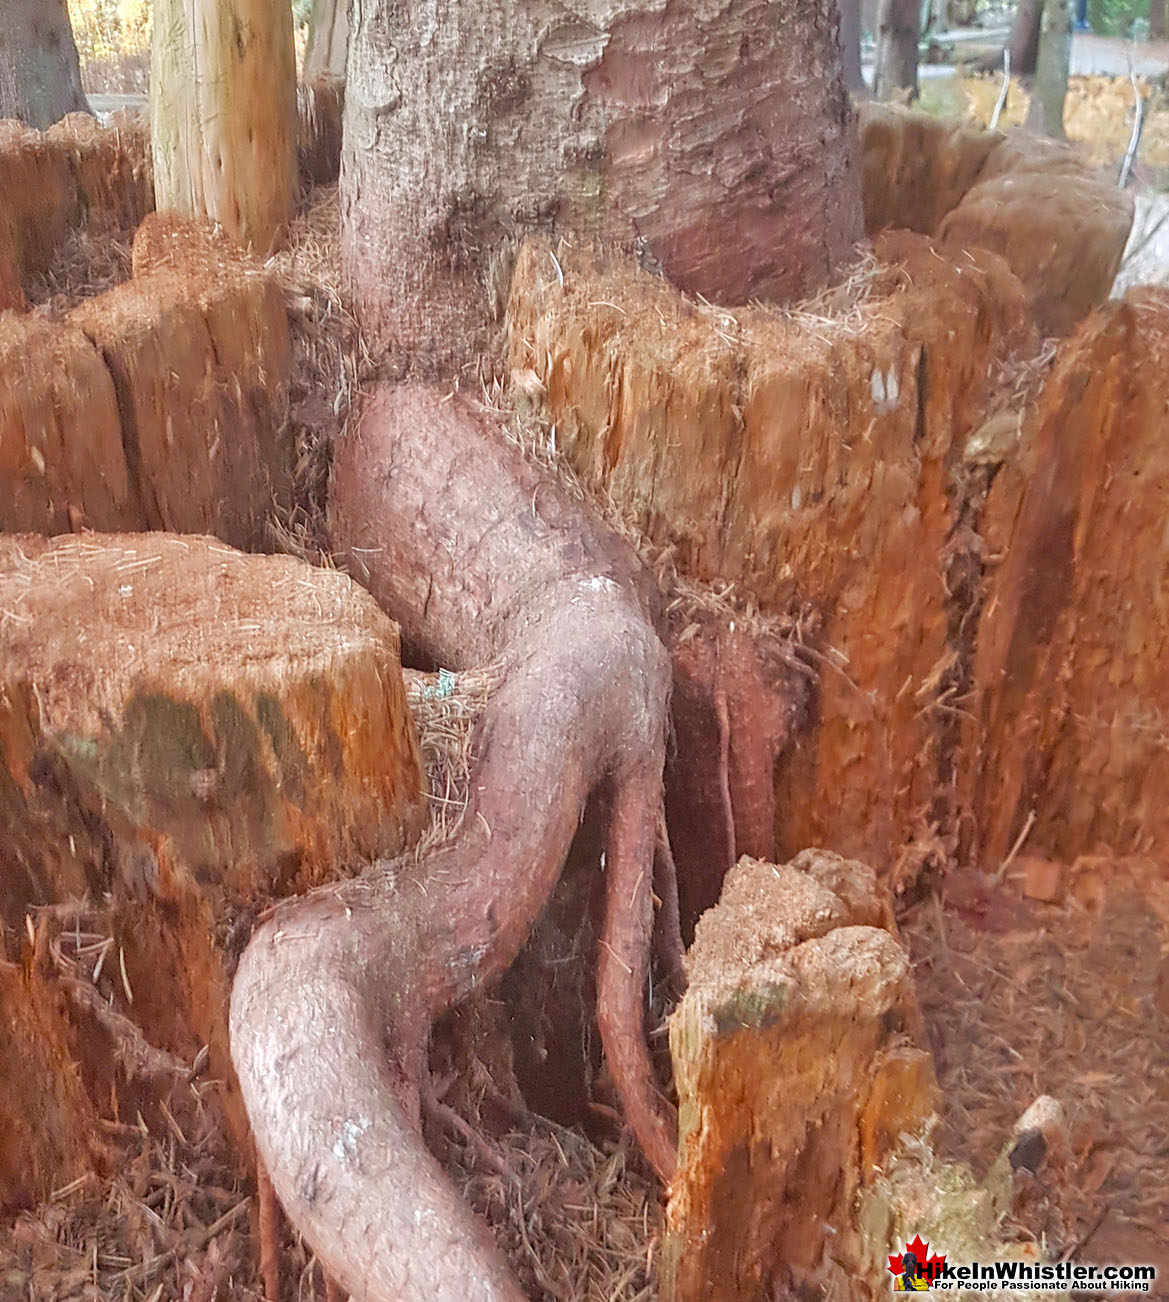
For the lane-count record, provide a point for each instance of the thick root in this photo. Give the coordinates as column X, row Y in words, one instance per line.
column 484, row 560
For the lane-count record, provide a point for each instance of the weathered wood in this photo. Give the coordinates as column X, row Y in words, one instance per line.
column 804, row 459
column 1060, row 225
column 198, row 348
column 195, row 733
column 798, row 1071
column 74, row 174
column 328, row 40
column 62, row 461
column 1069, row 667
column 718, row 141
column 223, row 121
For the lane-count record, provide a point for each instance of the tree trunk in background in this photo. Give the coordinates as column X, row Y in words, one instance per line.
column 898, row 30
column 328, row 40
column 850, row 46
column 223, row 114
column 715, row 140
column 1024, row 39
column 1045, row 116
column 1158, row 27
column 40, row 75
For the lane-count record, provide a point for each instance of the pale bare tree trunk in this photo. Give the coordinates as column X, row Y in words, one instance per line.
column 40, row 75
column 223, row 114
column 716, row 141
column 328, row 40
column 898, row 30
column 1045, row 116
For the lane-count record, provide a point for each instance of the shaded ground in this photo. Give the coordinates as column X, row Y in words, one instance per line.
column 1070, row 999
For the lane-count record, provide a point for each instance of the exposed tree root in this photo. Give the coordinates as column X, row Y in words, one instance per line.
column 482, row 559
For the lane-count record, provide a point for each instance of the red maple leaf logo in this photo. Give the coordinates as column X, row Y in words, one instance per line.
column 930, row 1266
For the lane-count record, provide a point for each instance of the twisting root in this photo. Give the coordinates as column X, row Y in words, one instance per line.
column 484, row 560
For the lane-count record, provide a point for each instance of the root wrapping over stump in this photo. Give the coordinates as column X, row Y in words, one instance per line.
column 486, row 561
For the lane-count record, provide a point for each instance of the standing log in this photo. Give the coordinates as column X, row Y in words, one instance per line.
column 328, row 41
column 1072, row 687
column 195, row 733
column 223, row 122
column 717, row 141
column 797, row 1071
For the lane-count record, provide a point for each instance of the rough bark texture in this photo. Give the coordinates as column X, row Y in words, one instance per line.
column 192, row 732
column 328, row 41
column 1072, row 687
column 715, row 139
column 1060, row 225
column 40, row 74
column 754, row 443
column 1045, row 116
column 73, row 175
column 485, row 560
column 797, row 1071
column 223, row 114
column 156, row 405
column 898, row 32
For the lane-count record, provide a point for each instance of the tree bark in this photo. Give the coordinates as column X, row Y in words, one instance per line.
column 717, row 141
column 223, row 120
column 898, row 32
column 1045, row 116
column 40, row 73
column 328, row 40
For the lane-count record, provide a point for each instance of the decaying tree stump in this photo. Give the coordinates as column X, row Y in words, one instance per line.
column 1061, row 225
column 797, row 1061
column 807, row 1105
column 192, row 733
column 804, row 459
column 1073, row 694
column 156, row 405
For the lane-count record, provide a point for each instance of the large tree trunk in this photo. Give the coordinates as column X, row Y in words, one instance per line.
column 40, row 75
column 715, row 140
column 223, row 118
column 898, row 31
column 719, row 146
column 328, row 40
column 1051, row 70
